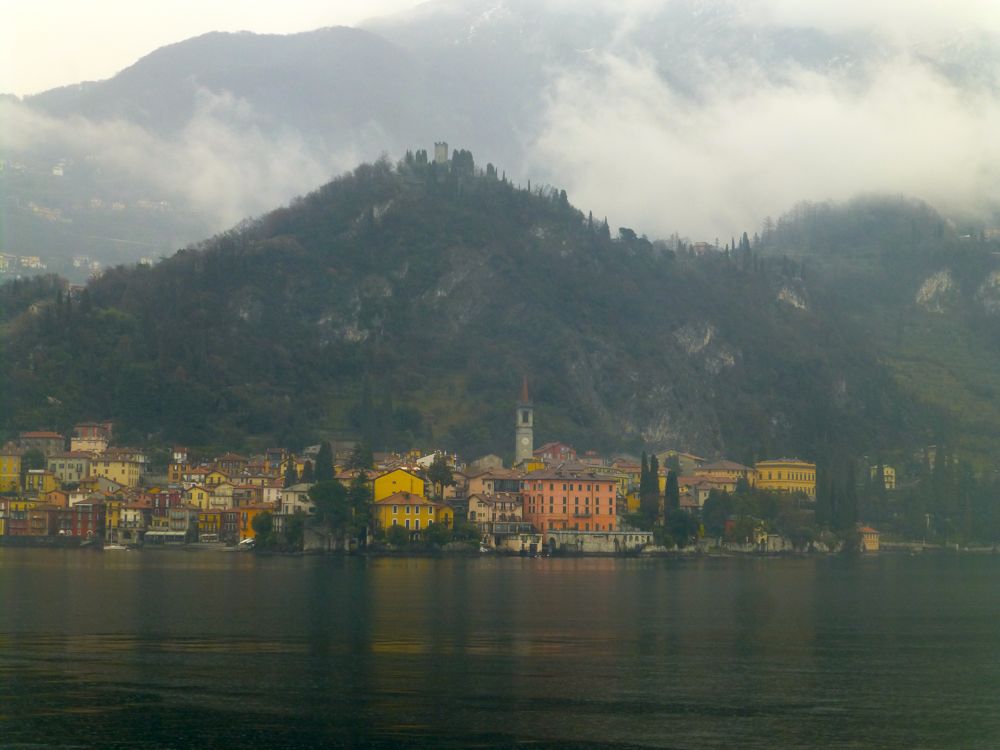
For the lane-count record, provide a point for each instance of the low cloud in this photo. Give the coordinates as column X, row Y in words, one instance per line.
column 219, row 164
column 622, row 140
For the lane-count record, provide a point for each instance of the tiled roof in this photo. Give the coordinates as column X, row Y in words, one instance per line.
column 724, row 466
column 405, row 498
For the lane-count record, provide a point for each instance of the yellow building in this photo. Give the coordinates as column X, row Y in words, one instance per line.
column 247, row 514
column 215, row 477
column 530, row 464
column 10, row 468
column 209, row 525
column 40, row 482
column 888, row 475
column 112, row 517
column 412, row 512
column 198, row 496
column 398, row 480
column 787, row 475
column 869, row 539
column 119, row 470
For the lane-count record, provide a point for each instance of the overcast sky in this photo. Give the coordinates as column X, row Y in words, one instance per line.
column 48, row 43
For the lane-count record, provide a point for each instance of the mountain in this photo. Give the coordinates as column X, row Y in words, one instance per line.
column 405, row 303
column 324, row 83
column 682, row 103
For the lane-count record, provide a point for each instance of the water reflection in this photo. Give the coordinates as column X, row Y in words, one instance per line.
column 176, row 649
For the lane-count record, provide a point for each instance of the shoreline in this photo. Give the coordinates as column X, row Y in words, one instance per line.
column 889, row 548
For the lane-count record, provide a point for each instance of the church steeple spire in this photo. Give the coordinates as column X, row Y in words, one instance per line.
column 524, row 438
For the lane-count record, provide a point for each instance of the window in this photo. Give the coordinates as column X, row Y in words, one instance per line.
column 407, row 523
column 408, row 507
column 395, row 509
column 416, row 524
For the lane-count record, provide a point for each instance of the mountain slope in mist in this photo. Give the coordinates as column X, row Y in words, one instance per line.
column 406, row 304
column 722, row 111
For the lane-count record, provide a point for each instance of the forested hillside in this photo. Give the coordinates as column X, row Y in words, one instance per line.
column 404, row 303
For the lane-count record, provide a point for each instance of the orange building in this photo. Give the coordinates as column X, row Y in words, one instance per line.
column 570, row 496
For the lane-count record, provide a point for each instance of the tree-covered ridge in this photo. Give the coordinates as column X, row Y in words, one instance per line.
column 405, row 302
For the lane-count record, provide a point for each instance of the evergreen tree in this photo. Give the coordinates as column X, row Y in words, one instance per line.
column 847, row 512
column 308, row 475
column 359, row 497
column 649, row 490
column 440, row 475
column 291, row 473
column 361, row 458
column 671, row 493
column 324, row 463
column 332, row 508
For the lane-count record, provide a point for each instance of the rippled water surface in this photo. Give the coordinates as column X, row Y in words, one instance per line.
column 172, row 649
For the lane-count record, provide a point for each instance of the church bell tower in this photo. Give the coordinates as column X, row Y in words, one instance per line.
column 524, row 438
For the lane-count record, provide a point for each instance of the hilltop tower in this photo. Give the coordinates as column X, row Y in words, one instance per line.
column 524, row 433
column 441, row 153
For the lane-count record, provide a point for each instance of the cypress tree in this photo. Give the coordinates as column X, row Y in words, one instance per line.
column 644, row 476
column 671, row 494
column 291, row 473
column 324, row 463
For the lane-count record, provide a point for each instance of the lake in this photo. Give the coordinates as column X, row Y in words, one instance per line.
column 172, row 649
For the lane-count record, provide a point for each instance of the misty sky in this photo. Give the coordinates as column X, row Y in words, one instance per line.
column 48, row 43
column 751, row 146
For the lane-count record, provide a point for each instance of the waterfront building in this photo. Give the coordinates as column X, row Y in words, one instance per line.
column 246, row 515
column 570, row 496
column 411, row 511
column 87, row 519
column 870, row 539
column 486, row 511
column 136, row 518
column 787, row 475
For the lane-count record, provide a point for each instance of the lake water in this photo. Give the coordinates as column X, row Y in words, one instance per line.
column 172, row 649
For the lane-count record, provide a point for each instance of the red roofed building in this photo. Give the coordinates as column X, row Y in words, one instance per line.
column 555, row 452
